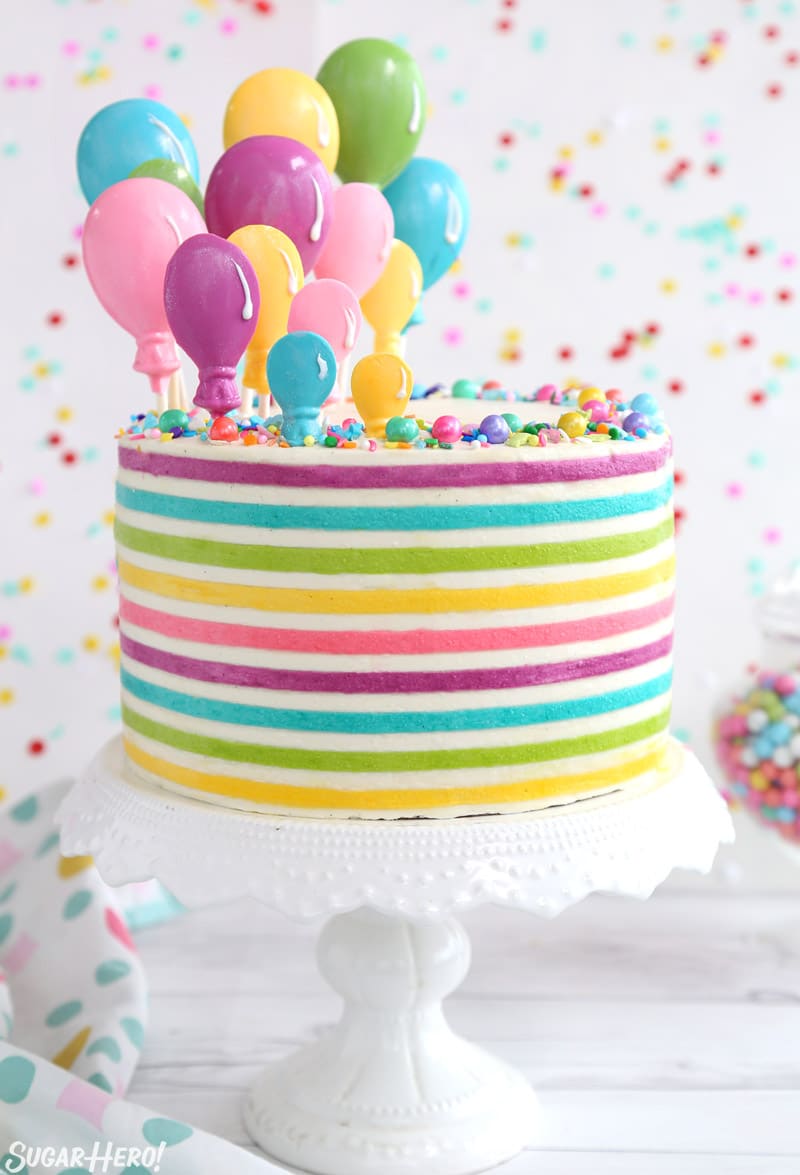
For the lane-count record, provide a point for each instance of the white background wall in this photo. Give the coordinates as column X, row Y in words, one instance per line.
column 612, row 90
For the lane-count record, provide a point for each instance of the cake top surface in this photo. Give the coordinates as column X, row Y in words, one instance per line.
column 551, row 425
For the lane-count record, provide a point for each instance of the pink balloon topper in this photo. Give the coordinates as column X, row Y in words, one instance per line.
column 360, row 239
column 212, row 301
column 131, row 232
column 328, row 308
column 271, row 180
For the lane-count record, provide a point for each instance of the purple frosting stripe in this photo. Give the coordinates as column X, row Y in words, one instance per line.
column 627, row 460
column 304, row 681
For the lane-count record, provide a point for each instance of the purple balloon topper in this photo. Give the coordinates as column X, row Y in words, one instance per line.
column 271, row 180
column 212, row 301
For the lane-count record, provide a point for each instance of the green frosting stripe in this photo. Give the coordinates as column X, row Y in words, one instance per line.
column 388, row 561
column 393, row 761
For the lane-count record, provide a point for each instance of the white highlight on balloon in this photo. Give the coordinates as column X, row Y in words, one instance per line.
column 173, row 138
column 323, row 130
column 416, row 111
column 416, row 285
column 403, row 391
column 172, row 224
column 316, row 228
column 455, row 218
column 387, row 241
column 247, row 309
column 322, row 365
column 291, row 270
column 350, row 336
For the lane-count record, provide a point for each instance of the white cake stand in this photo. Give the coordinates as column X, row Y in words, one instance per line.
column 391, row 1088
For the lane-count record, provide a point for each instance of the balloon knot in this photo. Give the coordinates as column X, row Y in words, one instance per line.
column 217, row 390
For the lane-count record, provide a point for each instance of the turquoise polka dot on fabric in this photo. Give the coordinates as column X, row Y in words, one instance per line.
column 107, row 1046
column 63, row 1013
column 158, row 1130
column 6, row 925
column 111, row 971
column 25, row 811
column 76, row 903
column 134, row 1030
column 48, row 844
column 16, row 1079
column 8, row 892
column 102, row 1082
column 10, row 1163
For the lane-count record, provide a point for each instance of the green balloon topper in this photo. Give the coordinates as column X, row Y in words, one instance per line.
column 173, row 173
column 380, row 101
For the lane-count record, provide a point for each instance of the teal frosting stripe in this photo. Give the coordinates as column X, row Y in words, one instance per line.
column 399, row 518
column 409, row 722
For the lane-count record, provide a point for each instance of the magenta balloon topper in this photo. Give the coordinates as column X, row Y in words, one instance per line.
column 212, row 301
column 268, row 179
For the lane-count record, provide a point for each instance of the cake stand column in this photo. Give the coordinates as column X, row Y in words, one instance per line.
column 391, row 1087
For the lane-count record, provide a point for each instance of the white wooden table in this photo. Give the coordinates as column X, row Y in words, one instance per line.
column 663, row 1038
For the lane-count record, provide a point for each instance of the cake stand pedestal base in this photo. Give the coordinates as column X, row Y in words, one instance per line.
column 391, row 1088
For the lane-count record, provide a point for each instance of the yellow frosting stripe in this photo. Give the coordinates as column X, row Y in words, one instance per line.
column 382, row 602
column 290, row 796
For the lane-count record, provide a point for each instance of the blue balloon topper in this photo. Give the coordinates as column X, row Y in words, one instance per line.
column 301, row 372
column 123, row 135
column 431, row 214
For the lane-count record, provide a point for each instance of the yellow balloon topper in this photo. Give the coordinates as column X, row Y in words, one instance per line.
column 280, row 275
column 288, row 103
column 381, row 386
column 389, row 304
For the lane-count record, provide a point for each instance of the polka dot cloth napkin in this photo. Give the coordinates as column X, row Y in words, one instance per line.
column 72, row 1015
column 85, row 1129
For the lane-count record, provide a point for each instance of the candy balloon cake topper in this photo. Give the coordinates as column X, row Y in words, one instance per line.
column 271, row 180
column 279, row 271
column 270, row 261
column 301, row 369
column 331, row 309
column 131, row 232
column 288, row 103
column 360, row 238
column 382, row 386
column 121, row 136
column 212, row 301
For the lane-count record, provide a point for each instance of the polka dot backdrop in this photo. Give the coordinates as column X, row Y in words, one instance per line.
column 634, row 224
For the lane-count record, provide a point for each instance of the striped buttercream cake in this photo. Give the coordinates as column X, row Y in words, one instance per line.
column 398, row 632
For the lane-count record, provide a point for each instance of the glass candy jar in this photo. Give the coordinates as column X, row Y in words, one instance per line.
column 757, row 731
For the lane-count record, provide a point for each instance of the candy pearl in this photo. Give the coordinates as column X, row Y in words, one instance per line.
column 401, row 428
column 513, row 421
column 546, row 392
column 782, row 757
column 784, row 684
column 757, row 720
column 495, row 429
column 646, row 404
column 634, row 421
column 590, row 396
column 573, row 423
column 465, row 389
column 597, row 409
column 447, row 429
column 173, row 418
column 223, row 429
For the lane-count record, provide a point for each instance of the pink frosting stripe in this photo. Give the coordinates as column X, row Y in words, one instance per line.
column 418, row 641
column 390, row 682
column 622, row 461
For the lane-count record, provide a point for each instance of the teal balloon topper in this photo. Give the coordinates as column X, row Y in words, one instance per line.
column 431, row 214
column 301, row 371
column 121, row 136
